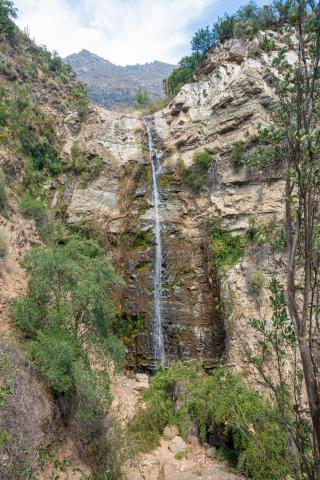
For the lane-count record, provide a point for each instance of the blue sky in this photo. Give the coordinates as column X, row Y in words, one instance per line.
column 122, row 31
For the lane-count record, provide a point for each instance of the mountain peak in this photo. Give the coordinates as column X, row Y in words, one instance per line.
column 112, row 85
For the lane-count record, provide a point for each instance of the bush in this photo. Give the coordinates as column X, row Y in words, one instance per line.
column 7, row 26
column 227, row 249
column 195, row 176
column 256, row 284
column 87, row 168
column 141, row 98
column 33, row 208
column 80, row 100
column 68, row 312
column 217, row 402
column 181, row 75
column 238, row 155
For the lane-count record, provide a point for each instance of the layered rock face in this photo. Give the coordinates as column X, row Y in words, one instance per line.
column 120, row 203
column 204, row 317
column 232, row 97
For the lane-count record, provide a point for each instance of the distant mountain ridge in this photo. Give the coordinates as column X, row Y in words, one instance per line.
column 113, row 85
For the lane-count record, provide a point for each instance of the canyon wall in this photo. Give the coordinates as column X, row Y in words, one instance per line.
column 205, row 316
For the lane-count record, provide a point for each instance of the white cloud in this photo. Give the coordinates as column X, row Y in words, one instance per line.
column 123, row 31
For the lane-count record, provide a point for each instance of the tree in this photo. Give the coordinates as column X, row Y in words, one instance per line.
column 7, row 11
column 202, row 41
column 141, row 98
column 67, row 313
column 296, row 132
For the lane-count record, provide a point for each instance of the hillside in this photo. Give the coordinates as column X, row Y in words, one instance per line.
column 113, row 86
column 146, row 329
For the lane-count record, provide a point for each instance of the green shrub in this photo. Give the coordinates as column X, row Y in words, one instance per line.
column 257, row 233
column 68, row 311
column 33, row 208
column 80, row 100
column 268, row 44
column 7, row 12
column 238, row 155
column 180, row 455
column 257, row 282
column 181, row 75
column 87, row 168
column 254, row 439
column 227, row 249
column 195, row 176
column 140, row 239
column 141, row 98
column 145, row 429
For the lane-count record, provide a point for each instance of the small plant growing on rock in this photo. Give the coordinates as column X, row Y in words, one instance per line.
column 195, row 176
column 257, row 282
column 238, row 155
column 227, row 249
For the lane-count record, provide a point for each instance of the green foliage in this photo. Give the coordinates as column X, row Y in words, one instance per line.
column 33, row 208
column 80, row 100
column 268, row 44
column 180, row 455
column 68, row 312
column 139, row 239
column 31, row 129
column 258, row 234
column 244, row 23
column 238, row 155
column 141, row 98
column 87, row 168
column 166, row 180
column 195, row 176
column 145, row 429
column 6, row 371
column 127, row 328
column 227, row 249
column 181, row 75
column 7, row 12
column 279, row 241
column 202, row 41
column 220, row 400
column 257, row 282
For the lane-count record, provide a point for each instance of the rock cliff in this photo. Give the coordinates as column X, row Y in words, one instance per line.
column 204, row 316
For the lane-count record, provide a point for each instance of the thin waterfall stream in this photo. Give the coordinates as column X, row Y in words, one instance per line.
column 157, row 274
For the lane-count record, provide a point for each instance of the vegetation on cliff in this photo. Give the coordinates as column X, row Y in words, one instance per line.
column 244, row 23
column 233, row 417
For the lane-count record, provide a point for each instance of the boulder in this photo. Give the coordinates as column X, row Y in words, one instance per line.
column 177, row 445
column 211, row 452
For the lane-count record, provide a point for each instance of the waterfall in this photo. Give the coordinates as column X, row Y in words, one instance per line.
column 157, row 274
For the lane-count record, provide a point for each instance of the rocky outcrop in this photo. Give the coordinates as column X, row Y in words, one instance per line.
column 232, row 97
column 204, row 317
column 120, row 201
